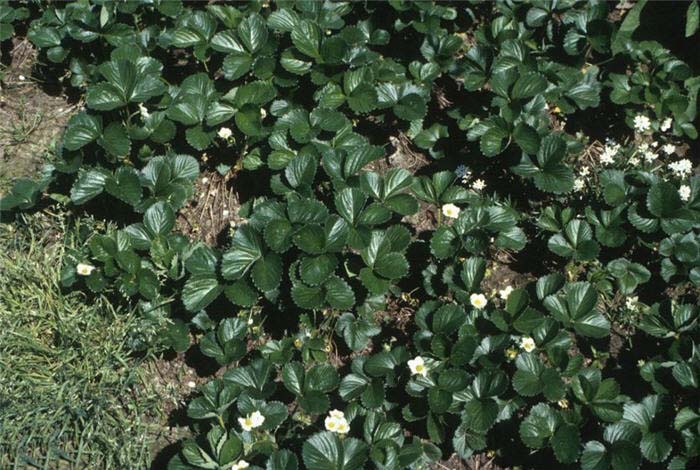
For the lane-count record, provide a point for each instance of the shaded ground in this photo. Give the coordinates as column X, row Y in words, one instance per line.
column 475, row 462
column 30, row 119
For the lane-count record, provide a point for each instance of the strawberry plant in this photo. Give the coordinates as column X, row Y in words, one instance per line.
column 464, row 228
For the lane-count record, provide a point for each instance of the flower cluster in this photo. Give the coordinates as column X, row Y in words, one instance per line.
column 240, row 465
column 336, row 422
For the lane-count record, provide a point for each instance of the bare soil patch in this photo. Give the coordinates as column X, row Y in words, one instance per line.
column 30, row 119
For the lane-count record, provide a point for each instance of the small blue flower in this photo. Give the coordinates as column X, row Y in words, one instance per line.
column 461, row 171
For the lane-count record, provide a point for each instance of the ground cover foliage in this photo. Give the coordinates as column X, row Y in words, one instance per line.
column 72, row 397
column 393, row 160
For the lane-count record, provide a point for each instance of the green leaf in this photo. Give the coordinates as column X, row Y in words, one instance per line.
column 627, row 28
column 278, row 235
column 356, row 332
column 527, row 138
column 178, row 335
column 241, row 293
column 88, row 185
column 528, row 85
column 363, row 98
column 267, row 272
column 306, row 37
column 595, row 457
column 115, row 140
column 325, row 451
column 566, row 443
column 82, row 129
column 439, row 400
column 293, row 377
column 159, row 219
column 655, row 447
column 282, row 460
column 236, row 65
column 252, row 32
column 321, row 378
column 663, row 200
column 246, row 249
column 125, row 185
column 104, row 97
column 314, row 270
column 339, row 294
column 411, row 107
column 307, row 297
column 539, row 426
column 448, row 318
column 444, row 242
column 692, row 19
column 199, row 291
column 480, row 414
column 391, row 265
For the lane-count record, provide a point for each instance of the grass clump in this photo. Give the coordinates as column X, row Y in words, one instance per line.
column 71, row 397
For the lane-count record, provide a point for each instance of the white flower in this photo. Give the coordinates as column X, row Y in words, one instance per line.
column 253, row 420
column 641, row 123
column 585, row 171
column 246, row 423
column 684, row 192
column 631, row 303
column 609, row 152
column 84, row 269
column 681, row 168
column 144, row 111
column 643, row 147
column 224, row 133
column 669, row 148
column 650, row 156
column 258, row 419
column 579, row 184
column 191, row 384
column 343, row 426
column 226, row 213
column 634, row 161
column 504, row 293
column 451, row 211
column 527, row 343
column 417, row 366
column 331, row 424
column 563, row 403
column 240, row 465
column 263, row 113
column 336, row 422
column 666, row 124
column 478, row 301
column 479, row 185
column 21, row 78
column 205, row 180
